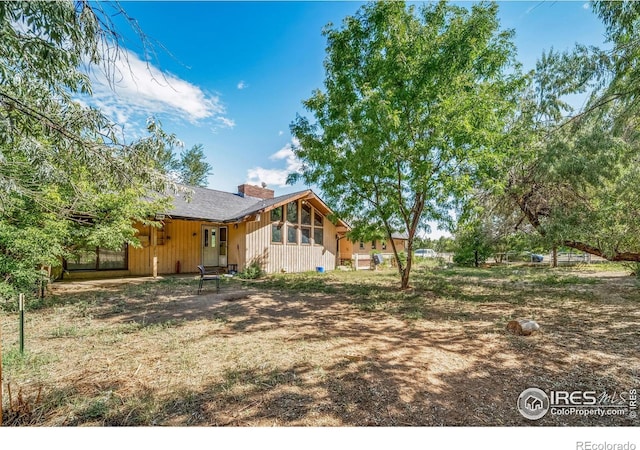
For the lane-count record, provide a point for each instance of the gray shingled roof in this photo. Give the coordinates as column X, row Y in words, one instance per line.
column 219, row 206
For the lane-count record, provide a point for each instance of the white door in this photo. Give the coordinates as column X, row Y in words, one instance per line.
column 210, row 255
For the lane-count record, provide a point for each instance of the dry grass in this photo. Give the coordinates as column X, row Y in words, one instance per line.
column 334, row 349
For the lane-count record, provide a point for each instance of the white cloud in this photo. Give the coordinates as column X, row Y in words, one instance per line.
column 277, row 177
column 242, row 85
column 136, row 89
column 280, row 133
column 272, row 177
column 229, row 123
column 586, row 5
column 286, row 153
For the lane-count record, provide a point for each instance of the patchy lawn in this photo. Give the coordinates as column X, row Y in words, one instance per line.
column 333, row 349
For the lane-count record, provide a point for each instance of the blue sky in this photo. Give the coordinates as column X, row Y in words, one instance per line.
column 232, row 75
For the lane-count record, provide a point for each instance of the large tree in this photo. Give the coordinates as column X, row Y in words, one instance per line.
column 65, row 176
column 167, row 155
column 194, row 168
column 413, row 106
column 574, row 174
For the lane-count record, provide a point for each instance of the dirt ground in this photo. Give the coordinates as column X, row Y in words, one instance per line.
column 324, row 350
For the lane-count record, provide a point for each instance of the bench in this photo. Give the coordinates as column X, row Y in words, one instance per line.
column 208, row 276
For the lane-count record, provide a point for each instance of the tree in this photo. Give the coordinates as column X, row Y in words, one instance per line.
column 194, row 169
column 573, row 174
column 413, row 107
column 65, row 176
column 472, row 244
column 190, row 168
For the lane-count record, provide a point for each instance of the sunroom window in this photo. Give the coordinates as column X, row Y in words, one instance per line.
column 98, row 259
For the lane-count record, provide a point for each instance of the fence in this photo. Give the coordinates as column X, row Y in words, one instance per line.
column 567, row 258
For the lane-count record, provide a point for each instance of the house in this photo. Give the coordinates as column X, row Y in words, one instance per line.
column 359, row 253
column 533, row 403
column 230, row 231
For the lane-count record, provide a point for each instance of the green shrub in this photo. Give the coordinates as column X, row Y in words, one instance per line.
column 472, row 246
column 402, row 259
column 252, row 271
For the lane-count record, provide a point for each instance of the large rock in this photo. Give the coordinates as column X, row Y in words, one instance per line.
column 523, row 327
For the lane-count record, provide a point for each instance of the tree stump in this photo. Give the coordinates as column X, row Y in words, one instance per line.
column 522, row 327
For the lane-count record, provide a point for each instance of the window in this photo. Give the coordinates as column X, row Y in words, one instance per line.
column 305, row 218
column 83, row 260
column 384, row 245
column 98, row 259
column 298, row 223
column 276, row 214
column 112, row 259
column 318, row 235
column 305, row 235
column 292, row 234
column 292, row 212
column 373, row 245
column 276, row 233
column 361, row 245
column 276, row 226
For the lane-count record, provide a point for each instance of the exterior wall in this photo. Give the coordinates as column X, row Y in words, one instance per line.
column 276, row 257
column 360, row 258
column 351, row 248
column 181, row 241
column 238, row 245
column 176, row 243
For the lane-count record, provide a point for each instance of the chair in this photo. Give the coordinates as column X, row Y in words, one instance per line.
column 208, row 276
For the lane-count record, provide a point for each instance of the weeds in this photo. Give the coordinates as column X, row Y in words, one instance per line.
column 22, row 407
column 318, row 349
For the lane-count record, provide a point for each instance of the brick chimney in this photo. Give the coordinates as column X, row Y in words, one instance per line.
column 247, row 190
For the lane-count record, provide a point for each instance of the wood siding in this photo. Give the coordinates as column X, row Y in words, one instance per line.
column 275, row 257
column 179, row 242
column 238, row 245
column 351, row 248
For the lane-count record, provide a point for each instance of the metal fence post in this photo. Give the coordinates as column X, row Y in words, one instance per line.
column 1, row 373
column 21, row 307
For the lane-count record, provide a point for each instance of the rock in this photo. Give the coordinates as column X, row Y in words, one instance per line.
column 523, row 327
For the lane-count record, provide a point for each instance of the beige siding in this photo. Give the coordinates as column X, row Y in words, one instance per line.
column 275, row 257
column 237, row 245
column 346, row 249
column 361, row 257
column 354, row 247
column 180, row 242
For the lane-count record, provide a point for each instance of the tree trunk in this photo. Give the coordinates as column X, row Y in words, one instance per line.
column 0, row 376
column 617, row 256
column 475, row 256
column 532, row 217
column 404, row 280
column 554, row 257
